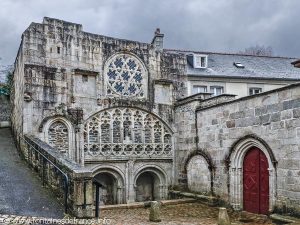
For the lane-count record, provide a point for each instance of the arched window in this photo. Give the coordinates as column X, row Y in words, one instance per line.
column 126, row 131
column 58, row 136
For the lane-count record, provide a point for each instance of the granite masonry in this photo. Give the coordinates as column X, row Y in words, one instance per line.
column 115, row 117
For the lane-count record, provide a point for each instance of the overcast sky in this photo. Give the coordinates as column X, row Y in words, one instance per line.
column 204, row 25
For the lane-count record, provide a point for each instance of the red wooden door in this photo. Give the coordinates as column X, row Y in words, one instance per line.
column 256, row 182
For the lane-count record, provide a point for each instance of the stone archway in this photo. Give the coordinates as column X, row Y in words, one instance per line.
column 198, row 175
column 111, row 186
column 235, row 162
column 108, row 189
column 147, row 187
column 150, row 184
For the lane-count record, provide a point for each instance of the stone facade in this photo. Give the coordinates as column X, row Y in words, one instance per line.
column 103, row 103
column 269, row 121
column 118, row 116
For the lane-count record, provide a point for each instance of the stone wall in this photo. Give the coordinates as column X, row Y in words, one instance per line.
column 79, row 196
column 4, row 110
column 269, row 121
column 186, row 137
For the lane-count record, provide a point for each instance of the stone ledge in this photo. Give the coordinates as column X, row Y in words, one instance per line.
column 283, row 219
column 210, row 200
column 5, row 124
column 135, row 205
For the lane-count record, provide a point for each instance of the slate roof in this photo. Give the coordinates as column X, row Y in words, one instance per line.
column 258, row 67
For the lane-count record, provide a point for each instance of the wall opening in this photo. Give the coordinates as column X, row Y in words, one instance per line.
column 147, row 187
column 107, row 189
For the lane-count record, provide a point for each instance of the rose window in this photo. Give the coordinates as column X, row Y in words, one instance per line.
column 125, row 75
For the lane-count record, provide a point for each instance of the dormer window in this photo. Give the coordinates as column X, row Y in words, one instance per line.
column 239, row 65
column 200, row 61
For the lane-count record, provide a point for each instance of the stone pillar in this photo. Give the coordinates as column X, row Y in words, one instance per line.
column 162, row 191
column 83, row 197
column 239, row 188
column 130, row 182
column 223, row 218
column 120, row 191
column 154, row 215
column 233, row 192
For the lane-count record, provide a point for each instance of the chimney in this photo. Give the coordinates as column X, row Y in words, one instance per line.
column 158, row 40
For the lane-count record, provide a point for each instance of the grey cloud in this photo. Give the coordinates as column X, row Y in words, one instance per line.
column 208, row 25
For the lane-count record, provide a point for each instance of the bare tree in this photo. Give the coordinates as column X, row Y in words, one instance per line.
column 258, row 50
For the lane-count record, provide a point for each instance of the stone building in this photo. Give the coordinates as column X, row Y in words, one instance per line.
column 119, row 118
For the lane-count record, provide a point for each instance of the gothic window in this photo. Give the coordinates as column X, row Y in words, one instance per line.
column 58, row 136
column 125, row 76
column 126, row 132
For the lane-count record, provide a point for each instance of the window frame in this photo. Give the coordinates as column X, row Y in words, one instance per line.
column 255, row 88
column 199, row 86
column 199, row 65
column 215, row 87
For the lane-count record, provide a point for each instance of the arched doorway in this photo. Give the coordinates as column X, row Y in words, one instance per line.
column 236, row 161
column 108, row 188
column 147, row 187
column 256, row 182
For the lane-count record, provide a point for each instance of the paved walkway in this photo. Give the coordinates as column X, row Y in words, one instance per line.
column 21, row 192
column 182, row 214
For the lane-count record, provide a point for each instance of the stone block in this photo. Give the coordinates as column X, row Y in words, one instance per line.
column 296, row 113
column 237, row 115
column 260, row 110
column 275, row 117
column 154, row 215
column 286, row 114
column 223, row 218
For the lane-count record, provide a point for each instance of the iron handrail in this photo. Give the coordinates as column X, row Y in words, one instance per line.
column 66, row 178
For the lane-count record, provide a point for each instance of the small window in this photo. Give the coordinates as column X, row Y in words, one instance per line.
column 254, row 91
column 85, row 78
column 199, row 89
column 58, row 50
column 200, row 61
column 216, row 90
column 50, row 50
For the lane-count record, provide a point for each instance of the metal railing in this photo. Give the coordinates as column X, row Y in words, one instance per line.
column 30, row 150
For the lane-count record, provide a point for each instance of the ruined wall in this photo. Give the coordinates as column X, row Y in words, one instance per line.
column 269, row 121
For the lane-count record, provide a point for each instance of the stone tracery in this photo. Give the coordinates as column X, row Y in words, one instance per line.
column 125, row 76
column 58, row 136
column 125, row 132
